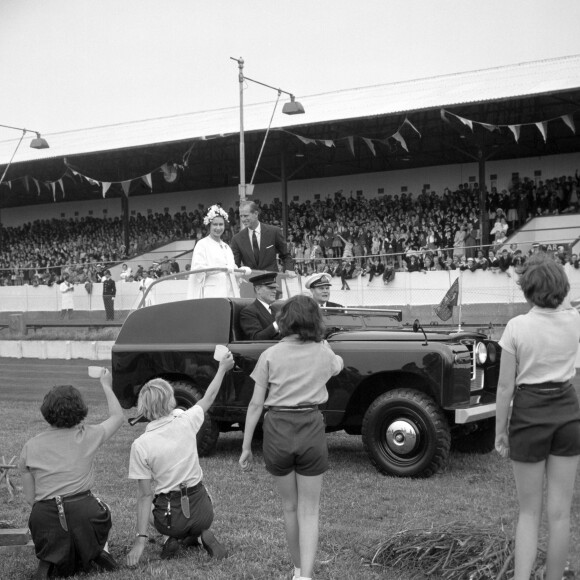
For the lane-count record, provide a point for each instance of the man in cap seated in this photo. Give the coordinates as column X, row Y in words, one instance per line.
column 258, row 320
column 319, row 285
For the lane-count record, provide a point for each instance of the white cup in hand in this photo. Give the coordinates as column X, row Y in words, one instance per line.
column 95, row 372
column 220, row 352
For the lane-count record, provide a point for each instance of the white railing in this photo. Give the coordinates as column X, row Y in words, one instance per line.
column 407, row 289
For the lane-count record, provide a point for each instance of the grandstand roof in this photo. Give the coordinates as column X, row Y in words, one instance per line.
column 499, row 83
column 342, row 133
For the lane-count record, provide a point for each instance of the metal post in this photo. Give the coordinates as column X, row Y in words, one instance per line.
column 125, row 218
column 483, row 218
column 284, row 182
column 242, row 192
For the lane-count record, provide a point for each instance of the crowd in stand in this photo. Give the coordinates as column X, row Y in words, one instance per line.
column 344, row 236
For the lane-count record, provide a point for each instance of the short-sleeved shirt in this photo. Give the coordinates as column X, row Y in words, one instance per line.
column 296, row 372
column 167, row 452
column 61, row 461
column 545, row 344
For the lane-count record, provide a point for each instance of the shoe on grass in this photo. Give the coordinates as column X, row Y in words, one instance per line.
column 212, row 546
column 105, row 561
column 170, row 549
column 191, row 542
column 43, row 570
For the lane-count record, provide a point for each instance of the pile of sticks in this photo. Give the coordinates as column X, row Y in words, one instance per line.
column 5, row 475
column 454, row 551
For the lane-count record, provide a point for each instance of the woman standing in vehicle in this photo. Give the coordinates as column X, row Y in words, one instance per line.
column 212, row 252
column 543, row 439
column 294, row 446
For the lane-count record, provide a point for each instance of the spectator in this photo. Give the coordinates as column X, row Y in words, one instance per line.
column 66, row 293
column 126, row 273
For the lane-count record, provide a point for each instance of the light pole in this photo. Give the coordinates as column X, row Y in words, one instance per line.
column 292, row 107
column 37, row 143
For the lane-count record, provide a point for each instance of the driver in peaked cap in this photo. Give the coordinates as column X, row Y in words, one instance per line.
column 319, row 285
column 258, row 319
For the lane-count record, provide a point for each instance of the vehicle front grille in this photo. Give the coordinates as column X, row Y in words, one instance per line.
column 476, row 373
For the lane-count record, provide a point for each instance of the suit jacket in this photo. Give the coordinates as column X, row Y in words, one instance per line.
column 257, row 323
column 109, row 287
column 271, row 243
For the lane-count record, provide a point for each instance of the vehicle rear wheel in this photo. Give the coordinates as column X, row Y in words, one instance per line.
column 187, row 395
column 406, row 434
column 481, row 440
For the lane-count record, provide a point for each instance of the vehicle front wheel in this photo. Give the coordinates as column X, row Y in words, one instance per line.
column 406, row 434
column 187, row 395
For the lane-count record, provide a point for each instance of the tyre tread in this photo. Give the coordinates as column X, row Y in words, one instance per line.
column 443, row 436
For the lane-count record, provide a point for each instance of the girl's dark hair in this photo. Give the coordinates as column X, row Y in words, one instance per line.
column 301, row 315
column 63, row 406
column 543, row 281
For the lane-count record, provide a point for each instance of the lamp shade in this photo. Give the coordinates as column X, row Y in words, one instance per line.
column 293, row 108
column 39, row 143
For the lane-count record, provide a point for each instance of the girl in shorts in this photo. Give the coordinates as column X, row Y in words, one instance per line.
column 290, row 381
column 543, row 440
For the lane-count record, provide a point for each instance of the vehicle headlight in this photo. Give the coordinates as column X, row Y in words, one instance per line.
column 491, row 353
column 480, row 353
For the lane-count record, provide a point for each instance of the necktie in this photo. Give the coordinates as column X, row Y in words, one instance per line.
column 255, row 247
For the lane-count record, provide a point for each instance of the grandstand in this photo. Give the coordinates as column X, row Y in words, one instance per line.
column 426, row 167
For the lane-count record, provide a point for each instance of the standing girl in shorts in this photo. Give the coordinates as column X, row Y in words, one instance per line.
column 537, row 365
column 295, row 450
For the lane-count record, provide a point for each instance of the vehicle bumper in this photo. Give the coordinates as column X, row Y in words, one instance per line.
column 477, row 413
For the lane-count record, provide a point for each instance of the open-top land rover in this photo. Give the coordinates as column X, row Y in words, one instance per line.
column 411, row 394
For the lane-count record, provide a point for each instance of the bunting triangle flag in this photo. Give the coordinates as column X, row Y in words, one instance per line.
column 491, row 128
column 305, row 140
column 26, row 184
column 515, row 129
column 543, row 129
column 37, row 185
column 412, row 126
column 62, row 187
column 147, row 180
column 350, row 141
column 467, row 122
column 53, row 187
column 126, row 185
column 569, row 122
column 444, row 116
column 400, row 139
column 328, row 142
column 370, row 145
column 105, row 185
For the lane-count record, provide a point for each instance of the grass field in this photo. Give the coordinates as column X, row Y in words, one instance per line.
column 359, row 508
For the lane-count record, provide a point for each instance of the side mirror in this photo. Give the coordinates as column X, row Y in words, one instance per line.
column 417, row 327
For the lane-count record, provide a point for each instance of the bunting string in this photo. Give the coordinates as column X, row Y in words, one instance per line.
column 368, row 141
column 515, row 128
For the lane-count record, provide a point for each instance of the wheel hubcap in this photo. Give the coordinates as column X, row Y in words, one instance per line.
column 402, row 437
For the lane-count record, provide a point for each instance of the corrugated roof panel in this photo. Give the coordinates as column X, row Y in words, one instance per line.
column 443, row 91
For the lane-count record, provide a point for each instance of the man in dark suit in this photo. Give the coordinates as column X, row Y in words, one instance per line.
column 257, row 320
column 257, row 244
column 109, row 293
column 319, row 285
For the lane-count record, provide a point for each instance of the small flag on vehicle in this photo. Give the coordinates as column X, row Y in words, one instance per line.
column 445, row 309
